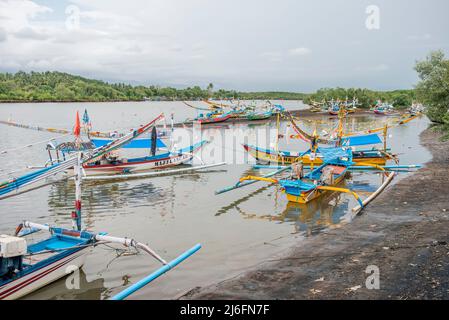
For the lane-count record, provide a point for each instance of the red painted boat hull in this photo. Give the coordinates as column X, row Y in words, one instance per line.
column 215, row 120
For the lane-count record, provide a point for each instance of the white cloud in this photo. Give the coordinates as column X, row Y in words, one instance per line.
column 16, row 14
column 263, row 45
column 301, row 51
column 32, row 33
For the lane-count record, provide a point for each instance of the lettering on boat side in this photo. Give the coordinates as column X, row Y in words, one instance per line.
column 170, row 161
column 373, row 280
column 229, row 310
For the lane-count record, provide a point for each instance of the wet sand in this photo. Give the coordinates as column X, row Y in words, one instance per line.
column 404, row 232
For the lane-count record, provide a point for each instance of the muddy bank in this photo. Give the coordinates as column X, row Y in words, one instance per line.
column 404, row 232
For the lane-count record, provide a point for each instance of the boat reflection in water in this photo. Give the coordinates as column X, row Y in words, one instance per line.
column 104, row 197
column 316, row 216
column 67, row 289
column 330, row 211
column 310, row 218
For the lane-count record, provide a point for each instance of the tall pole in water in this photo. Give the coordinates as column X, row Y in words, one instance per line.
column 277, row 132
column 76, row 215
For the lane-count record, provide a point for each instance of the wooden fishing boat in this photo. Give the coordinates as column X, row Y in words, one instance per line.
column 114, row 165
column 254, row 116
column 303, row 189
column 212, row 120
column 334, row 109
column 315, row 109
column 33, row 267
column 373, row 155
column 385, row 110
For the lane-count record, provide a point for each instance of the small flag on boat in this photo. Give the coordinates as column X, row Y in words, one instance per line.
column 86, row 119
column 77, row 128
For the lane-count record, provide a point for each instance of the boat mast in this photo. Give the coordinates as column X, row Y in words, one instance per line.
column 341, row 116
column 277, row 132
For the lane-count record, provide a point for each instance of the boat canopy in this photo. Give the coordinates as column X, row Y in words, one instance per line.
column 361, row 140
column 333, row 155
column 134, row 144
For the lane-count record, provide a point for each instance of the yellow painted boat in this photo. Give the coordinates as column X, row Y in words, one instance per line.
column 304, row 192
column 372, row 156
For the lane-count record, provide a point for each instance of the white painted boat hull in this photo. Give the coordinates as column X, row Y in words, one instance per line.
column 43, row 276
column 170, row 161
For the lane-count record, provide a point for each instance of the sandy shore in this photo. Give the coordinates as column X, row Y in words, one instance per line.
column 404, row 232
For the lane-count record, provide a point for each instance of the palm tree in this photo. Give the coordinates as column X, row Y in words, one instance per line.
column 210, row 88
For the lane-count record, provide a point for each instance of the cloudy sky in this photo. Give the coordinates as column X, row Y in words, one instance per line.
column 236, row 44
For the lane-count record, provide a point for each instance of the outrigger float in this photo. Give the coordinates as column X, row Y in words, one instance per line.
column 25, row 268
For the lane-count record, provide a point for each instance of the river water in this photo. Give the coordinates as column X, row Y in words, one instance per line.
column 238, row 230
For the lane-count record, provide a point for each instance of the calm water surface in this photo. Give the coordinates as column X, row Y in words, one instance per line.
column 238, row 230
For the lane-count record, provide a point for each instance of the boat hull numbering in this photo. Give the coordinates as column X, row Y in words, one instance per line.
column 138, row 166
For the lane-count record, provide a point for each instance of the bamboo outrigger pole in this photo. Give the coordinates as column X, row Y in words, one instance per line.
column 241, row 184
column 156, row 274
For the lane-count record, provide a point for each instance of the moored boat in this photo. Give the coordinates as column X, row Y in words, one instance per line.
column 211, row 120
column 283, row 157
column 29, row 268
column 305, row 188
column 385, row 109
column 116, row 165
column 253, row 116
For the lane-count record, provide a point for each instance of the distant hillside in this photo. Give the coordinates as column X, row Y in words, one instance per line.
column 58, row 86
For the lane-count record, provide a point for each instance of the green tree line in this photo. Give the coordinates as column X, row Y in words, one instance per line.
column 433, row 88
column 58, row 86
column 365, row 97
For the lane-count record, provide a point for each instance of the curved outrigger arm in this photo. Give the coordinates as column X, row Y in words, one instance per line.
column 343, row 190
column 254, row 178
column 390, row 155
column 127, row 242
